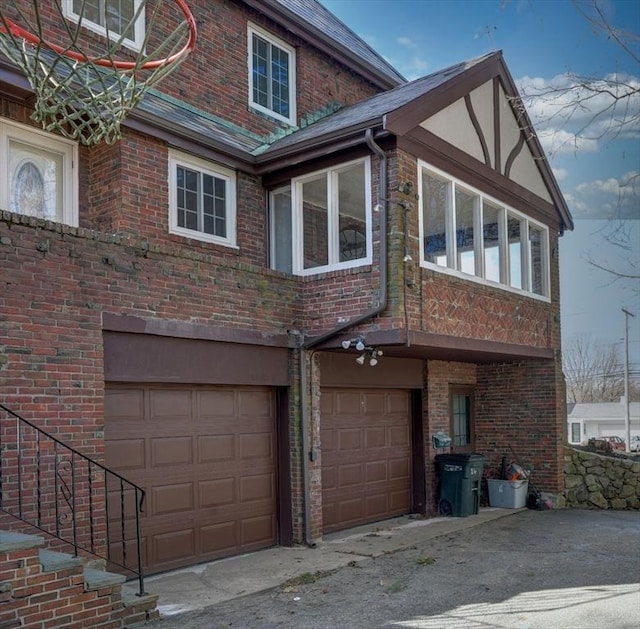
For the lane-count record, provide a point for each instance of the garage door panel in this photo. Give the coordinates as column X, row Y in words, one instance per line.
column 376, row 472
column 257, row 530
column 399, row 469
column 217, row 493
column 257, row 487
column 349, row 439
column 126, row 454
column 169, row 547
column 207, row 464
column 256, row 446
column 377, row 505
column 375, row 438
column 350, row 475
column 252, row 404
column 374, row 403
column 399, row 502
column 215, row 404
column 170, row 405
column 398, row 436
column 124, row 405
column 219, row 538
column 171, row 451
column 216, row 448
column 351, row 511
column 347, row 403
column 366, row 456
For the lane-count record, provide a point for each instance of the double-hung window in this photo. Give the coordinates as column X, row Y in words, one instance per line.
column 322, row 222
column 465, row 232
column 271, row 75
column 202, row 200
column 38, row 174
column 119, row 19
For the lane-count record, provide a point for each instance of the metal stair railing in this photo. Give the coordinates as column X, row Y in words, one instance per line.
column 64, row 493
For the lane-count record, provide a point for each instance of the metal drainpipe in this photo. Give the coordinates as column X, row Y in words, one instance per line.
column 307, row 454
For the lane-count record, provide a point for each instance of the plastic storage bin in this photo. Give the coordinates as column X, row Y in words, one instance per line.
column 460, row 476
column 508, row 494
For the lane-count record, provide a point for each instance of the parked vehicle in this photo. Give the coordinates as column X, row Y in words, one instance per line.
column 634, row 445
column 617, row 443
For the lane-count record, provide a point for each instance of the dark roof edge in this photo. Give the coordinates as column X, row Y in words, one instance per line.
column 326, row 44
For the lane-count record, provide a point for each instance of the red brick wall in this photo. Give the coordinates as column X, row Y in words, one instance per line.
column 440, row 376
column 520, row 414
column 214, row 77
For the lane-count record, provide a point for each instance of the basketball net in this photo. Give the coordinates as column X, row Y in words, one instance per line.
column 86, row 98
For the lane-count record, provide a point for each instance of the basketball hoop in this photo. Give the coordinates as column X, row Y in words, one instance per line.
column 82, row 95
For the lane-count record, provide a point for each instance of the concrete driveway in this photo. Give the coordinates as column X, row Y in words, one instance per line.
column 569, row 569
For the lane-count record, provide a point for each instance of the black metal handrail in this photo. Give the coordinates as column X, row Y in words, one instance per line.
column 60, row 491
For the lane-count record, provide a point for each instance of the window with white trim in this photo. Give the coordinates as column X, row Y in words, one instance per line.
column 322, row 222
column 272, row 84
column 38, row 175
column 202, row 200
column 467, row 233
column 120, row 19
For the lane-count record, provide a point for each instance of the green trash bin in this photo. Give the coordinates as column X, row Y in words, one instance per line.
column 460, row 477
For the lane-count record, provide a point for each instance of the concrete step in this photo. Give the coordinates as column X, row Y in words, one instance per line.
column 53, row 561
column 99, row 579
column 18, row 541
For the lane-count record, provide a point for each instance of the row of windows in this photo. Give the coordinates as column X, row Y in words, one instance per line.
column 321, row 222
column 271, row 61
column 466, row 232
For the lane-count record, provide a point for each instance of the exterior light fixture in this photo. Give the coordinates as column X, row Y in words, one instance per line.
column 357, row 342
column 372, row 354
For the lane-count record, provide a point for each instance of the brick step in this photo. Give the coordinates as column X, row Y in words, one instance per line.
column 135, row 610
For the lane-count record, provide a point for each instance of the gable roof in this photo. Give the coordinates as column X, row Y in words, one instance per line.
column 603, row 411
column 311, row 21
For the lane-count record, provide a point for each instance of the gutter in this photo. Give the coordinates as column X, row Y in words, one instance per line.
column 307, row 453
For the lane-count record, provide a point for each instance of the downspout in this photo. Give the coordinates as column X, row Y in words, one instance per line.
column 307, row 452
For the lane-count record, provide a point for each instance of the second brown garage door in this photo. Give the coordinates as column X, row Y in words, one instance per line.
column 366, row 456
column 206, row 457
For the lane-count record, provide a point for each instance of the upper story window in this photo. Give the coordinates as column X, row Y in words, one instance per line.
column 114, row 18
column 323, row 221
column 272, row 82
column 465, row 232
column 38, row 175
column 202, row 200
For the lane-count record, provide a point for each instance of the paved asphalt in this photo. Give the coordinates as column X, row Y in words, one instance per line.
column 564, row 569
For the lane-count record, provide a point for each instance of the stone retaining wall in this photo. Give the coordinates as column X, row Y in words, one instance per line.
column 598, row 481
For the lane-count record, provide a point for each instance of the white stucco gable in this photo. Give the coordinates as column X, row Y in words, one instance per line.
column 484, row 124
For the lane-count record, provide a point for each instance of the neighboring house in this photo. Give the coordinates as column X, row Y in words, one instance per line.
column 178, row 305
column 601, row 419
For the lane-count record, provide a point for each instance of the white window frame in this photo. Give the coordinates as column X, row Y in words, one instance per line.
column 138, row 31
column 37, row 139
column 297, row 220
column 177, row 158
column 505, row 212
column 252, row 29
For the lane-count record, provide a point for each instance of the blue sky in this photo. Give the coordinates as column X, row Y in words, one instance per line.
column 544, row 42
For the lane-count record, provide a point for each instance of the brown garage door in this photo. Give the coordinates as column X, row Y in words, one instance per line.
column 366, row 456
column 206, row 456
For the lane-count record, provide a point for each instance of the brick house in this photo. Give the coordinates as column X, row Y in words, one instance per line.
column 201, row 305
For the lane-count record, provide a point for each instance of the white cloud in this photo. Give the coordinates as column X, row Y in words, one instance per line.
column 406, row 41
column 583, row 113
column 560, row 173
column 611, row 198
column 559, row 141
